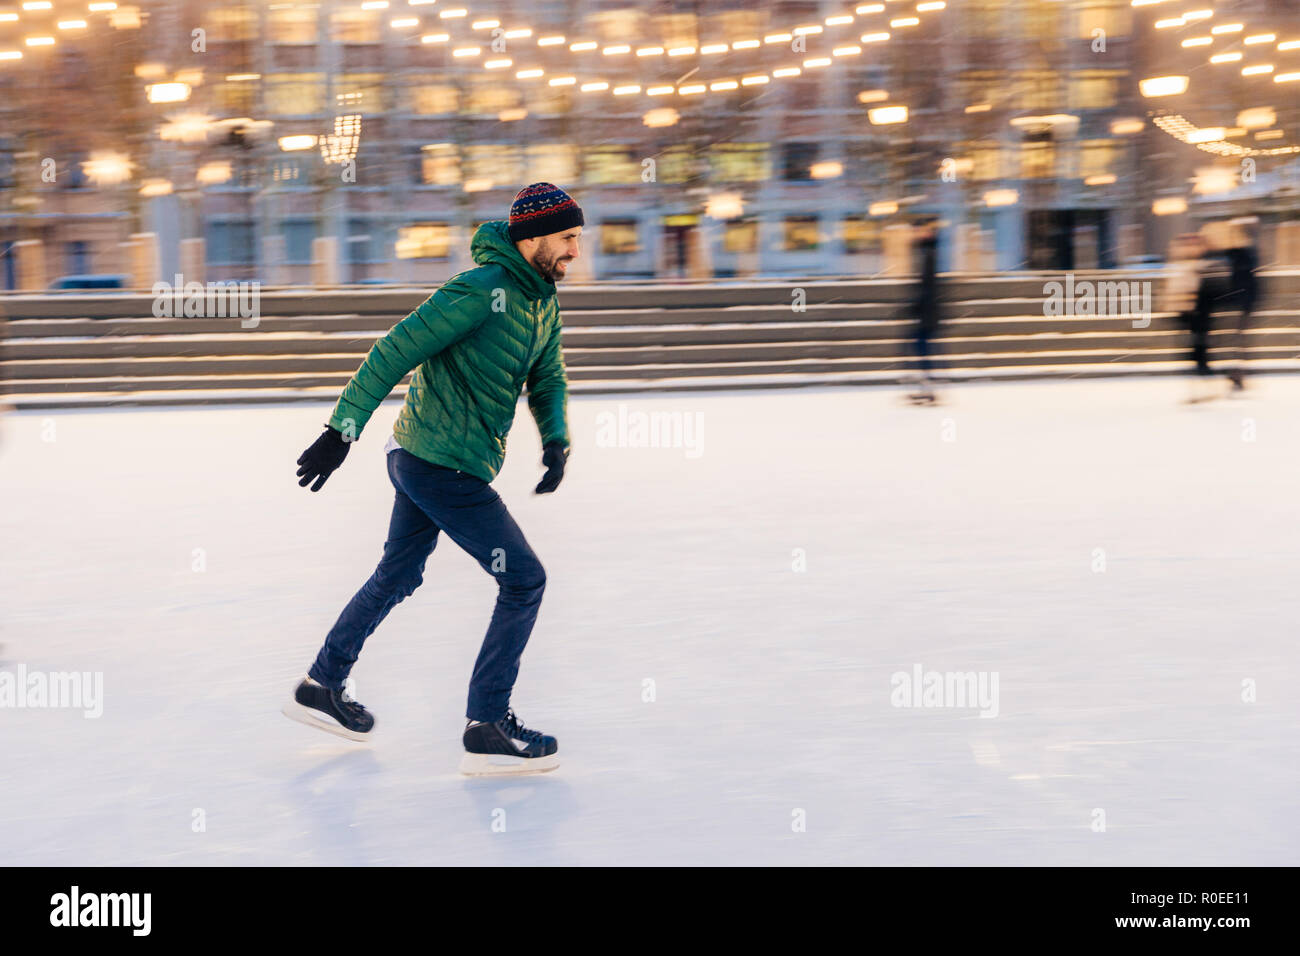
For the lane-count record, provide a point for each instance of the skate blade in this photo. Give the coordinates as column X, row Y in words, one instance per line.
column 305, row 715
column 498, row 765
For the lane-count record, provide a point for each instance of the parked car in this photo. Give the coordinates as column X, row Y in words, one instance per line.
column 90, row 282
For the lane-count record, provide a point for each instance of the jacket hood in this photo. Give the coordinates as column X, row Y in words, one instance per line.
column 492, row 244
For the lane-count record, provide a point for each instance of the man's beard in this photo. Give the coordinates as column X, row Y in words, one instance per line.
column 547, row 264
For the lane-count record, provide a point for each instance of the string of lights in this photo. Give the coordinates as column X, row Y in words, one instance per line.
column 695, row 86
column 1217, row 37
column 37, row 14
column 777, row 36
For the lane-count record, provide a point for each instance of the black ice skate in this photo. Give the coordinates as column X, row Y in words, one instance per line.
column 333, row 711
column 506, row 746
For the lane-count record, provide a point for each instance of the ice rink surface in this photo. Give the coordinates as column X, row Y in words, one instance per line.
column 1125, row 564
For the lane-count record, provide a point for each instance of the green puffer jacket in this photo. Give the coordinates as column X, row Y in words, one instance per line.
column 476, row 341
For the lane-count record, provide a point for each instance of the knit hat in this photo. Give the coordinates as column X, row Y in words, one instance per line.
column 541, row 209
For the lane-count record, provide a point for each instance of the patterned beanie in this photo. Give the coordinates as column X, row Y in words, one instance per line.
column 541, row 209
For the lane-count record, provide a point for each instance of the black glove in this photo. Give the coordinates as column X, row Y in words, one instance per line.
column 325, row 454
column 554, row 454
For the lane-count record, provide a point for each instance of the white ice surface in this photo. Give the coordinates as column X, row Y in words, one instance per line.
column 1120, row 690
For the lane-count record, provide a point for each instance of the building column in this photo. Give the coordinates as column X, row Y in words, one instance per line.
column 898, row 250
column 273, row 253
column 325, row 261
column 193, row 260
column 1085, row 247
column 142, row 260
column 1286, row 243
column 29, row 257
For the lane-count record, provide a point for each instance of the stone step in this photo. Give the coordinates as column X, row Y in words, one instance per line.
column 55, row 378
column 396, row 302
column 234, row 354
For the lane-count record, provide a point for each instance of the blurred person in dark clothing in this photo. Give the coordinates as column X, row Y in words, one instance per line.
column 1213, row 295
column 1243, row 294
column 925, row 307
column 1183, row 297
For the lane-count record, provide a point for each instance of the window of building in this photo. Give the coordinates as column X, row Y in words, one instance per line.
column 369, row 240
column 230, row 23
column 289, row 171
column 865, row 162
column 440, row 164
column 1113, row 16
column 861, row 234
column 1039, row 90
column 979, row 86
column 677, row 29
column 488, row 96
column 235, row 99
column 615, row 26
column 551, row 163
column 434, row 99
column 727, row 25
column 618, row 237
column 1098, row 157
column 1094, row 89
column 1037, row 160
column 986, row 18
column 862, row 81
column 229, row 243
column 291, row 22
column 803, row 93
column 610, row 165
column 9, row 169
column 362, row 92
column 1043, row 20
column 676, row 164
column 298, row 236
column 739, row 162
column 740, row 236
column 423, row 240
column 797, row 160
column 801, row 234
column 497, row 164
column 294, row 94
column 546, row 100
column 78, row 257
column 354, row 25
column 73, row 176
column 986, row 161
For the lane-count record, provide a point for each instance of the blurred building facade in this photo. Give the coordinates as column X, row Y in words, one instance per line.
column 364, row 141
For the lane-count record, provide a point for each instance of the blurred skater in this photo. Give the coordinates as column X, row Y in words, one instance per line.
column 925, row 309
column 1243, row 259
column 1183, row 296
column 1213, row 295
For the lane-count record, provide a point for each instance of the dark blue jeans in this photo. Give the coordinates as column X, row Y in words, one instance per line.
column 430, row 499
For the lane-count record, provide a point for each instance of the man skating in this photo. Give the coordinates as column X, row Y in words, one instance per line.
column 474, row 344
